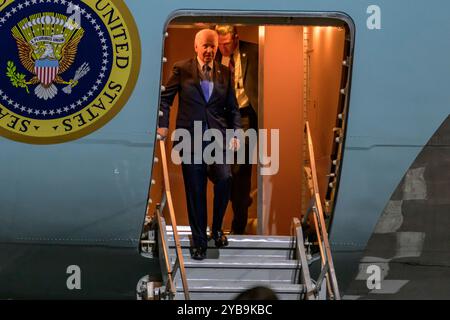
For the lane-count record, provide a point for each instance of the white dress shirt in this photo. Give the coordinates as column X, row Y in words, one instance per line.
column 241, row 97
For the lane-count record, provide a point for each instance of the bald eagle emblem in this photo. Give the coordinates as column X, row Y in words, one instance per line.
column 47, row 46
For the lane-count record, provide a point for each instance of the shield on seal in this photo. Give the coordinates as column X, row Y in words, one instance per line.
column 46, row 70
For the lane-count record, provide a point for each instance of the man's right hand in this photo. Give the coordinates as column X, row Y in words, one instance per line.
column 162, row 133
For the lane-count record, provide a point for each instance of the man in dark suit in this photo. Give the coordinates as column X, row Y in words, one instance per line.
column 206, row 99
column 242, row 59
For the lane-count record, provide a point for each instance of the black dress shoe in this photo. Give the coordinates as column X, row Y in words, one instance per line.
column 220, row 240
column 198, row 253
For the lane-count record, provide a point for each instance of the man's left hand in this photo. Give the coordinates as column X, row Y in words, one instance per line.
column 235, row 144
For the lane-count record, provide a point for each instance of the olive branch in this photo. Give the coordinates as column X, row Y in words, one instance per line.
column 17, row 79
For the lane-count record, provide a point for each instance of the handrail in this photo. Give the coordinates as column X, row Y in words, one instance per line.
column 161, row 227
column 168, row 199
column 319, row 221
column 305, row 274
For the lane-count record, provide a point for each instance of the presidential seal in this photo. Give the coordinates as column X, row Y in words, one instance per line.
column 66, row 68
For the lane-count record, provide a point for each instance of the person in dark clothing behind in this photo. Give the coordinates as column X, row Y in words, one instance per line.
column 242, row 59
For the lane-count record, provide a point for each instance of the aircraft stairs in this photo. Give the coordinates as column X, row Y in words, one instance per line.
column 294, row 267
column 247, row 262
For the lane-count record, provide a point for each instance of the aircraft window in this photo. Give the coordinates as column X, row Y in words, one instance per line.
column 302, row 74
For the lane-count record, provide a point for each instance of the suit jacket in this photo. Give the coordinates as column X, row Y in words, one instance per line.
column 219, row 112
column 250, row 65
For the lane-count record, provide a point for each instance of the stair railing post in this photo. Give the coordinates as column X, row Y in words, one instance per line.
column 170, row 206
column 305, row 274
column 319, row 220
column 161, row 228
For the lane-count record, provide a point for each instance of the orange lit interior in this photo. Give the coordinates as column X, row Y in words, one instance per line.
column 300, row 79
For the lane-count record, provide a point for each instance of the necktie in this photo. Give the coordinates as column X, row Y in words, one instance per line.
column 232, row 68
column 206, row 81
column 207, row 72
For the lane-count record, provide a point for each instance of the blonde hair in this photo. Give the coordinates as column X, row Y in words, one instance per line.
column 224, row 29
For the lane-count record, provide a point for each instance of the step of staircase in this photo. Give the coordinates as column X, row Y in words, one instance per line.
column 214, row 253
column 242, row 268
column 246, row 242
column 280, row 247
column 228, row 290
column 237, row 262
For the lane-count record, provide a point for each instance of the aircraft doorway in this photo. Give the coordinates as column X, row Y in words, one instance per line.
column 303, row 76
